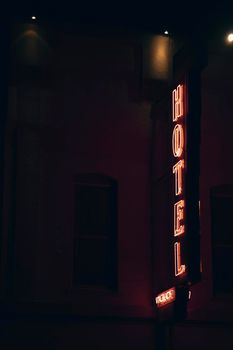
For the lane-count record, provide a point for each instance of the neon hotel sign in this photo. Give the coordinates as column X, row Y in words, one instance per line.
column 178, row 150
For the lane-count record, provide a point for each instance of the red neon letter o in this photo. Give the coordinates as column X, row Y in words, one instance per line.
column 178, row 140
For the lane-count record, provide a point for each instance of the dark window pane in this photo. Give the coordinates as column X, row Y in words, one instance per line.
column 222, row 241
column 93, row 210
column 222, row 268
column 222, row 215
column 95, row 243
column 91, row 262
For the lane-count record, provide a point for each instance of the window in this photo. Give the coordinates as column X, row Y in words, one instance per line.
column 95, row 231
column 222, row 238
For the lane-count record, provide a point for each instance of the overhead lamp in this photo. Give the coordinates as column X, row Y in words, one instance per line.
column 230, row 38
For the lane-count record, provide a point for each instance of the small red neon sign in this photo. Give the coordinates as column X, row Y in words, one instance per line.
column 167, row 297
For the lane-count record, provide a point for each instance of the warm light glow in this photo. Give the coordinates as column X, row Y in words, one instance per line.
column 177, row 103
column 230, row 37
column 33, row 17
column 178, row 218
column 158, row 64
column 166, row 32
column 167, row 297
column 178, row 140
column 179, row 269
column 177, row 170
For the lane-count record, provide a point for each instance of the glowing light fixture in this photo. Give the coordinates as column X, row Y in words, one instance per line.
column 166, row 32
column 229, row 38
column 33, row 18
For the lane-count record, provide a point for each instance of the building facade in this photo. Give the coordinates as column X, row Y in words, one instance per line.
column 87, row 140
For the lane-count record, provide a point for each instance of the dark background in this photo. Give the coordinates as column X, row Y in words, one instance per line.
column 181, row 17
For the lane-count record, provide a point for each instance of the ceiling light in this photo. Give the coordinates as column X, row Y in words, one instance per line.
column 230, row 37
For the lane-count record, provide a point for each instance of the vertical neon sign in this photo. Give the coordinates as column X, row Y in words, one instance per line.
column 178, row 149
column 179, row 204
column 181, row 178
